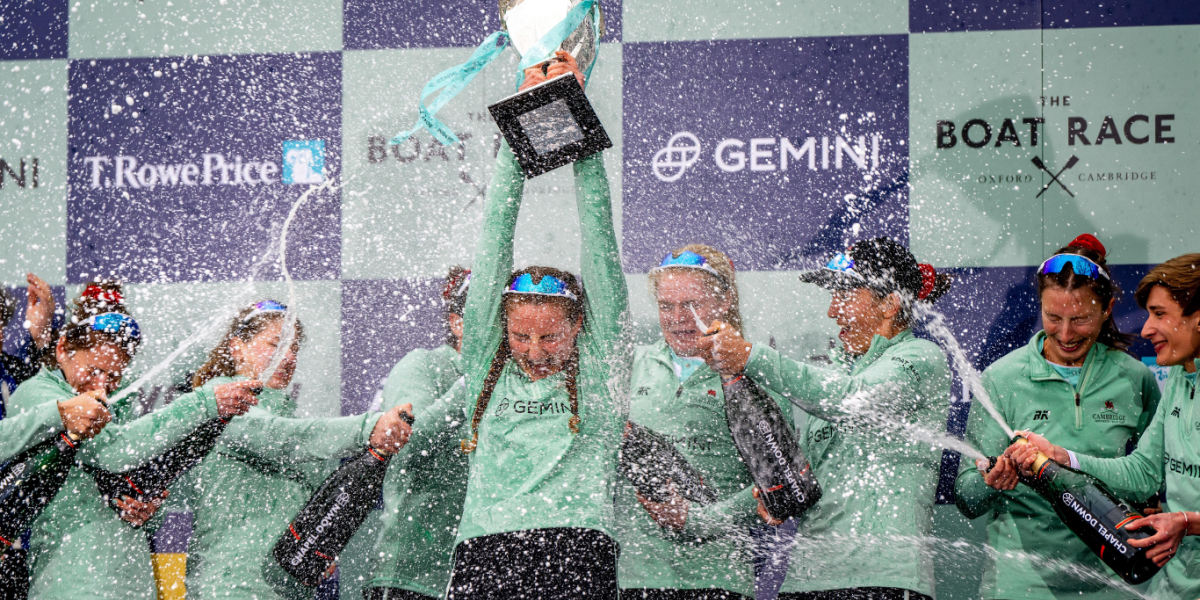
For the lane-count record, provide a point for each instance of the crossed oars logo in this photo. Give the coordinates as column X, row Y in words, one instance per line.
column 1037, row 162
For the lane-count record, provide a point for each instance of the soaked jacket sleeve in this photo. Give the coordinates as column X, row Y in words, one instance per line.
column 972, row 496
column 600, row 268
column 714, row 520
column 893, row 383
column 20, row 432
column 258, row 434
column 1139, row 475
column 131, row 440
column 491, row 270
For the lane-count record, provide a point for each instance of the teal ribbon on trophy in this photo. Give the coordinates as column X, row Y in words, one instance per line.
column 455, row 79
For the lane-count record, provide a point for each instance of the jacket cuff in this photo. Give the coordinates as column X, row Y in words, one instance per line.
column 208, row 402
column 759, row 361
column 48, row 418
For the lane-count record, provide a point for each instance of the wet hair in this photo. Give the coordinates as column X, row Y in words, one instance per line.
column 220, row 361
column 98, row 297
column 726, row 284
column 1104, row 288
column 573, row 309
column 454, row 298
column 1180, row 276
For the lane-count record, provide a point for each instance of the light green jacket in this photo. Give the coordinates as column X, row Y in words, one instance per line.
column 422, row 501
column 1117, row 397
column 21, row 432
column 422, row 377
column 871, row 526
column 247, row 490
column 529, row 471
column 1167, row 457
column 79, row 547
column 713, row 550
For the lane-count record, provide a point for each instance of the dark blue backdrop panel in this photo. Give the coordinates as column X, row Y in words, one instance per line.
column 176, row 166
column 32, row 29
column 751, row 146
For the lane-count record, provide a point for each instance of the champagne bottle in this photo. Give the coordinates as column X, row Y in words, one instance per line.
column 150, row 480
column 786, row 484
column 651, row 462
column 321, row 529
column 1093, row 513
column 30, row 481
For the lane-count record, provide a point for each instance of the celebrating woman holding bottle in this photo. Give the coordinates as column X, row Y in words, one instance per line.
column 78, row 549
column 1075, row 382
column 673, row 549
column 877, row 499
column 425, row 484
column 266, row 463
column 547, row 367
column 1167, row 452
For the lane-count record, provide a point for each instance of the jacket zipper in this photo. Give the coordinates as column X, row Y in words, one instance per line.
column 1079, row 393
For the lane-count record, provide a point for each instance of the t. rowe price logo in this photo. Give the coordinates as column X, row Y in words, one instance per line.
column 768, row 154
column 212, row 168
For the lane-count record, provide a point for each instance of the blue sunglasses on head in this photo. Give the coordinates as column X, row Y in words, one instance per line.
column 266, row 306
column 1081, row 265
column 548, row 286
column 114, row 323
column 688, row 260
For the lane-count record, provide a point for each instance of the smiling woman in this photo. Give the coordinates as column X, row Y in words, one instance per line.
column 1072, row 382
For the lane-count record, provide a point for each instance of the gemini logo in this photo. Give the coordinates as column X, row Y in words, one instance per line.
column 768, row 154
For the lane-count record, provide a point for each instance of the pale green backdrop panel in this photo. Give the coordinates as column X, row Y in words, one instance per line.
column 170, row 313
column 1120, row 72
column 120, row 28
column 959, row 215
column 415, row 215
column 671, row 20
column 33, row 124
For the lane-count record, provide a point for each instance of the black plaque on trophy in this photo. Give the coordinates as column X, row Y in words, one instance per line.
column 550, row 125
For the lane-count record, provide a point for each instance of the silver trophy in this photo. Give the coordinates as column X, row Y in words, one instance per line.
column 552, row 123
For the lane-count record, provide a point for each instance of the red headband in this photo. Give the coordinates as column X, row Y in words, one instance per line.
column 928, row 280
column 101, row 294
column 455, row 284
column 1089, row 242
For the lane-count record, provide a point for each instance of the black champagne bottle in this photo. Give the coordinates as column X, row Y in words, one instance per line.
column 1094, row 514
column 651, row 462
column 786, row 484
column 30, row 481
column 148, row 481
column 321, row 529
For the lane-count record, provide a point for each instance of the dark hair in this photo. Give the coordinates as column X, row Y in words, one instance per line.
column 220, row 361
column 98, row 297
column 454, row 298
column 573, row 310
column 1104, row 288
column 1180, row 276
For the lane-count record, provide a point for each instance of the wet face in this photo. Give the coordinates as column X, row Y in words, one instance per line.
column 251, row 358
column 679, row 291
column 541, row 337
column 1176, row 337
column 861, row 316
column 456, row 329
column 1072, row 320
column 97, row 368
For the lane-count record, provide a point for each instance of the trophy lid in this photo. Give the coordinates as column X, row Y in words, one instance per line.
column 530, row 19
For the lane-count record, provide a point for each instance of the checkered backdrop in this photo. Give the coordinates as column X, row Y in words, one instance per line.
column 165, row 142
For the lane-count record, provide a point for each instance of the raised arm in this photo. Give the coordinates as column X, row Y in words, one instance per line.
column 491, row 269
column 600, row 258
column 267, row 437
column 130, row 440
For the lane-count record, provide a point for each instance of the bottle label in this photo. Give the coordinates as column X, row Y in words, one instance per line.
column 339, row 503
column 12, row 475
column 1091, row 520
column 793, row 482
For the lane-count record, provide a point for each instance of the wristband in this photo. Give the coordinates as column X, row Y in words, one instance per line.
column 1187, row 524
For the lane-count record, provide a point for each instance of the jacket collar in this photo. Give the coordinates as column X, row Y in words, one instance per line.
column 879, row 345
column 662, row 355
column 1039, row 368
